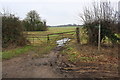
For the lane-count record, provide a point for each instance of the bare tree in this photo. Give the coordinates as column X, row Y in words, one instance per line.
column 101, row 13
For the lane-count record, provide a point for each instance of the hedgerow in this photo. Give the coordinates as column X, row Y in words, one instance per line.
column 12, row 31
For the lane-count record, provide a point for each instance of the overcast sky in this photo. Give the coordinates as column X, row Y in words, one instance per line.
column 55, row 12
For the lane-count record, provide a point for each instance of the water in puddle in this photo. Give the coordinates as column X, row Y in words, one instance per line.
column 62, row 41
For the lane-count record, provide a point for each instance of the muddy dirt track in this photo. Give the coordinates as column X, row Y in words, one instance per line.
column 29, row 66
column 52, row 65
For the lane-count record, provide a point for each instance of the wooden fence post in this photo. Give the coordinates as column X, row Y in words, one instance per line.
column 78, row 35
column 99, row 38
column 33, row 40
column 48, row 38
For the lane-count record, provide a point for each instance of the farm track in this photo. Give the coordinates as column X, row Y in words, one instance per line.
column 29, row 66
column 52, row 65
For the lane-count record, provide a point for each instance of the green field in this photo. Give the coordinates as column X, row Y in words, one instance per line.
column 52, row 30
column 41, row 36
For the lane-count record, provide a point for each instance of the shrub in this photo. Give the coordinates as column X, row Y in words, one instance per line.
column 12, row 32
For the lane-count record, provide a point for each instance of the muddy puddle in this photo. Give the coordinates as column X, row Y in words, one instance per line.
column 62, row 42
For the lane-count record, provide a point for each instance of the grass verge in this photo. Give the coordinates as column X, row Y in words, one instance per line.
column 74, row 54
column 15, row 52
column 77, row 53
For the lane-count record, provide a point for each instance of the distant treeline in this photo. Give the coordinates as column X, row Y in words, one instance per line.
column 69, row 25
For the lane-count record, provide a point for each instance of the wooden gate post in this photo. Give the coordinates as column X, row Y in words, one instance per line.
column 48, row 38
column 78, row 35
